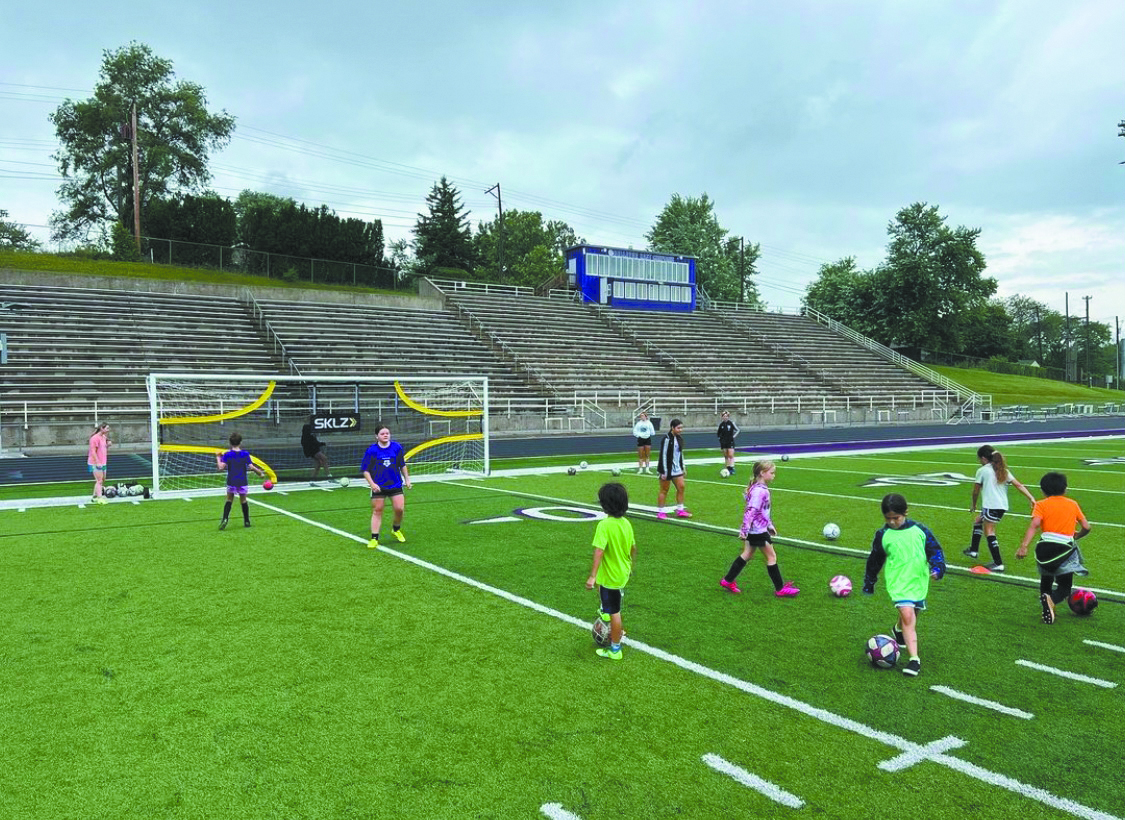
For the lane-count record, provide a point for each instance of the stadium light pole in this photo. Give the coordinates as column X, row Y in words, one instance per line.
column 500, row 228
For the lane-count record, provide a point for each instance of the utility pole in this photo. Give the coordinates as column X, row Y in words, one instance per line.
column 742, row 269
column 1039, row 333
column 1088, row 382
column 1066, row 346
column 500, row 228
column 136, row 181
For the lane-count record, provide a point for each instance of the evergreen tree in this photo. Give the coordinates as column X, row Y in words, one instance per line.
column 442, row 238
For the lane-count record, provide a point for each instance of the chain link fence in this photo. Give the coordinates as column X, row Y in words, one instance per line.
column 269, row 265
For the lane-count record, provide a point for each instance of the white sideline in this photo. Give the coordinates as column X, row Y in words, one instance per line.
column 988, row 704
column 1062, row 673
column 752, row 781
column 917, row 751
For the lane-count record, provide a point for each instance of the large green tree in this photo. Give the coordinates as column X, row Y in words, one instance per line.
column 443, row 241
column 843, row 292
column 687, row 226
column 175, row 135
column 14, row 236
column 533, row 248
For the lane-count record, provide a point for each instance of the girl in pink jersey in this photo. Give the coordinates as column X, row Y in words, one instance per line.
column 757, row 532
column 96, row 458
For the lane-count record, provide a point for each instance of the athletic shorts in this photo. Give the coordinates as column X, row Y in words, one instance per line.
column 238, row 490
column 644, row 442
column 992, row 515
column 90, row 468
column 611, row 600
column 387, row 492
column 756, row 539
column 919, row 606
column 726, row 445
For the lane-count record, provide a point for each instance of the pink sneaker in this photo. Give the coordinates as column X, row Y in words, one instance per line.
column 729, row 585
column 662, row 514
column 787, row 590
column 682, row 513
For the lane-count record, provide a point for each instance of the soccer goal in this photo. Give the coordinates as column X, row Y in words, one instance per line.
column 441, row 422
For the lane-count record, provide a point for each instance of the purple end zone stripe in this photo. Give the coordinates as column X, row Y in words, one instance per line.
column 874, row 444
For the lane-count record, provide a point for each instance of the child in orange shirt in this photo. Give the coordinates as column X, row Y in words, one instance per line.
column 1057, row 552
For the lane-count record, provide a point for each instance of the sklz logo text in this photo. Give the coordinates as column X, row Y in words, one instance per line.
column 330, row 422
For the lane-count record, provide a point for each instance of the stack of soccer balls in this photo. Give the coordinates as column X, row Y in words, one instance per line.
column 882, row 651
column 600, row 630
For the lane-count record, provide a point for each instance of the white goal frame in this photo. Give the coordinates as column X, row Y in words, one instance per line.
column 444, row 420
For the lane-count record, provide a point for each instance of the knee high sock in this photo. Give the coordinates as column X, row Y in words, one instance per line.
column 978, row 531
column 775, row 576
column 735, row 568
column 994, row 548
column 226, row 510
column 245, row 512
column 1045, row 584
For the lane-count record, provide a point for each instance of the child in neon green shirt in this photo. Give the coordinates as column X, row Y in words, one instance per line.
column 615, row 550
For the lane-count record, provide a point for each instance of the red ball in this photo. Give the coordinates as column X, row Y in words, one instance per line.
column 1082, row 602
column 267, row 485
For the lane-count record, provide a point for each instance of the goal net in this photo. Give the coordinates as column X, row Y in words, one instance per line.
column 441, row 423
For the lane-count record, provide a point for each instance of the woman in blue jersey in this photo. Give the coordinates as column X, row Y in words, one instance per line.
column 385, row 469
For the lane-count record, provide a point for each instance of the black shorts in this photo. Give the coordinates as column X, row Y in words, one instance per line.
column 726, row 445
column 387, row 492
column 644, row 442
column 757, row 540
column 992, row 515
column 611, row 600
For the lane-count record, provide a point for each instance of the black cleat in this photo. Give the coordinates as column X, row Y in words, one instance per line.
column 223, row 524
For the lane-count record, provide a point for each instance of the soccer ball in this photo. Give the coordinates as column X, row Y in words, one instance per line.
column 110, row 492
column 344, row 481
column 600, row 631
column 785, row 457
column 615, row 471
column 831, row 532
column 725, row 473
column 1082, row 602
column 583, row 465
column 136, row 489
column 841, row 586
column 267, row 485
column 882, row 651
column 571, row 471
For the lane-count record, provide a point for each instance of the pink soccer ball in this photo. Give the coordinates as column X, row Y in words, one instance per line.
column 267, row 485
column 841, row 586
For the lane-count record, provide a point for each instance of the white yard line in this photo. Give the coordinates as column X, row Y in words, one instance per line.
column 752, row 781
column 1062, row 673
column 915, row 752
column 554, row 811
column 988, row 704
column 1101, row 645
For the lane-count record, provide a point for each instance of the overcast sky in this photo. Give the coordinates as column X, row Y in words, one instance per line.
column 810, row 124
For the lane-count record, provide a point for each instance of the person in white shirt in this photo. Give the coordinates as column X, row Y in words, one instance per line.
column 643, row 432
column 990, row 487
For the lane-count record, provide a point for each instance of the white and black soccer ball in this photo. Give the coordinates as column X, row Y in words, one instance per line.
column 831, row 531
column 599, row 630
column 571, row 471
column 615, row 471
column 785, row 457
column 343, row 481
column 725, row 473
column 110, row 491
column 583, row 465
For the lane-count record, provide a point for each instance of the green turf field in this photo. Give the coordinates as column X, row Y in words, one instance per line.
column 153, row 666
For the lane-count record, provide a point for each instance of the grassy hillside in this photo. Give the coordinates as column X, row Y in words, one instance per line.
column 1006, row 389
column 79, row 266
